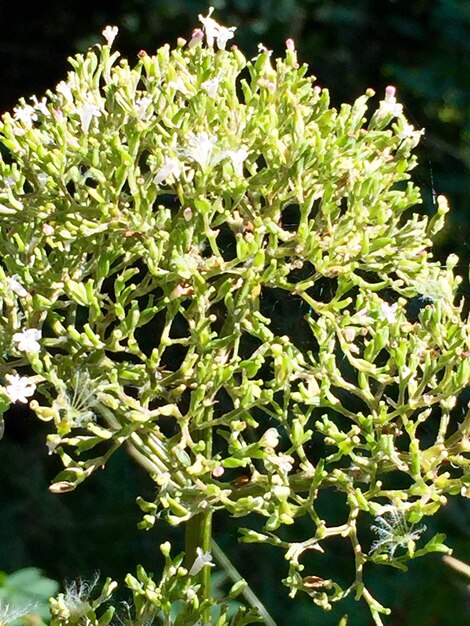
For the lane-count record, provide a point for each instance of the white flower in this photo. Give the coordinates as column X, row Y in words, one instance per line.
column 19, row 388
column 238, row 157
column 200, row 148
column 10, row 181
column 42, row 179
column 27, row 340
column 388, row 312
column 215, row 31
column 211, row 86
column 40, row 105
column 109, row 33
column 283, row 463
column 270, row 438
column 65, row 89
column 181, row 82
column 203, row 559
column 170, row 167
column 25, row 114
column 142, row 106
column 87, row 112
column 14, row 285
column 407, row 131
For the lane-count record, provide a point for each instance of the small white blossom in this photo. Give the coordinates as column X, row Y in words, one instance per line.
column 211, row 86
column 388, row 312
column 200, row 147
column 142, row 106
column 42, row 179
column 407, row 131
column 109, row 33
column 203, row 559
column 87, row 112
column 170, row 167
column 14, row 285
column 267, row 84
column 26, row 115
column 10, row 181
column 213, row 30
column 40, row 105
column 238, row 158
column 19, row 388
column 270, row 438
column 283, row 462
column 65, row 89
column 178, row 85
column 27, row 340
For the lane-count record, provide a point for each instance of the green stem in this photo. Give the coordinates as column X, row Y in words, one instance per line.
column 198, row 534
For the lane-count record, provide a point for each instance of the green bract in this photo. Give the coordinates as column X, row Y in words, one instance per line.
column 203, row 260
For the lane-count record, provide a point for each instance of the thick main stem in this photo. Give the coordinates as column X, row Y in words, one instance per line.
column 198, row 534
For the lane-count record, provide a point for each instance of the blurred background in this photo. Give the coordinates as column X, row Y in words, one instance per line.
column 420, row 46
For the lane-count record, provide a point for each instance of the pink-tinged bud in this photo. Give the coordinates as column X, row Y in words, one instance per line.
column 47, row 229
column 218, row 472
column 196, row 37
column 141, row 54
column 390, row 91
column 290, row 45
column 187, row 214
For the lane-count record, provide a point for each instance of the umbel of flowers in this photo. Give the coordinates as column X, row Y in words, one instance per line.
column 201, row 259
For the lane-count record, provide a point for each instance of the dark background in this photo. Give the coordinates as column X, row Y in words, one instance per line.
column 420, row 46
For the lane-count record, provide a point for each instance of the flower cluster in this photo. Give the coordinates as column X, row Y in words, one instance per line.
column 224, row 274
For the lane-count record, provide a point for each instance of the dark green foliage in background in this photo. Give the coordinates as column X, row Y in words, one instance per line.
column 422, row 47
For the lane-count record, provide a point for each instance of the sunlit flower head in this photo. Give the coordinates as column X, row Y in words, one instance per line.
column 28, row 340
column 389, row 312
column 26, row 115
column 40, row 105
column 19, row 388
column 109, row 33
column 65, row 89
column 14, row 285
column 215, row 31
column 200, row 147
column 142, row 106
column 238, row 158
column 170, row 168
column 211, row 86
column 87, row 112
